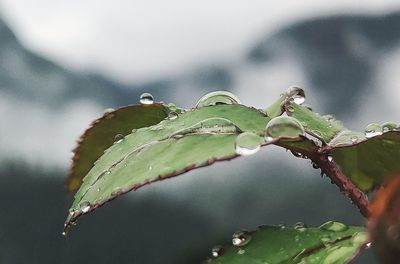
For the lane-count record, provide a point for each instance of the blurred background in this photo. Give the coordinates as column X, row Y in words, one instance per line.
column 63, row 62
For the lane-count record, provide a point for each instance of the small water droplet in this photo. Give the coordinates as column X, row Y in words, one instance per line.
column 247, row 143
column 98, row 189
column 299, row 226
column 84, row 207
column 368, row 245
column 64, row 233
column 172, row 115
column 217, row 251
column 389, row 126
column 217, row 98
column 353, row 139
column 330, row 158
column 146, row 99
column 297, row 95
column 373, row 130
column 314, row 165
column 241, row 238
column 296, row 154
column 118, row 138
column 334, row 226
column 284, row 127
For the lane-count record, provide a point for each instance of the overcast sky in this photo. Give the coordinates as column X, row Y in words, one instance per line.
column 143, row 39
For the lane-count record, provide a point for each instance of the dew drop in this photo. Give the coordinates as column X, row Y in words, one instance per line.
column 334, row 226
column 217, row 251
column 217, row 98
column 373, row 130
column 146, row 99
column 241, row 238
column 247, row 143
column 330, row 158
column 297, row 95
column 85, row 207
column 389, row 126
column 353, row 139
column 64, row 233
column 299, row 226
column 118, row 138
column 172, row 115
column 368, row 245
column 284, row 127
column 314, row 165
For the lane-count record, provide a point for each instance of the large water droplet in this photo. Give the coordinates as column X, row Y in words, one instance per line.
column 146, row 99
column 84, row 207
column 216, row 98
column 373, row 130
column 284, row 127
column 217, row 251
column 334, row 226
column 297, row 95
column 241, row 238
column 247, row 143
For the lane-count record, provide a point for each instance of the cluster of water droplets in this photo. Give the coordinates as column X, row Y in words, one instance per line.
column 376, row 129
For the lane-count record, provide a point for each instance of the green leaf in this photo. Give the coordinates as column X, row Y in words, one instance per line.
column 322, row 127
column 193, row 139
column 102, row 134
column 333, row 242
column 367, row 161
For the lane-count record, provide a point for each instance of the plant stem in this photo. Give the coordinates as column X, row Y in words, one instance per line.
column 345, row 185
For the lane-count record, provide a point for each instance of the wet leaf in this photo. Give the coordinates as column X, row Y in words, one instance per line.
column 103, row 132
column 193, row 139
column 367, row 161
column 333, row 242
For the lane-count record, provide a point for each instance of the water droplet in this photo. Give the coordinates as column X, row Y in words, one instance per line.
column 217, row 98
column 118, row 138
column 334, row 226
column 172, row 115
column 85, row 206
column 284, row 127
column 373, row 130
column 98, row 189
column 296, row 154
column 314, row 165
column 389, row 126
column 330, row 158
column 299, row 226
column 64, row 233
column 217, row 251
column 247, row 143
column 368, row 245
column 353, row 139
column 359, row 238
column 241, row 238
column 146, row 99
column 296, row 94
